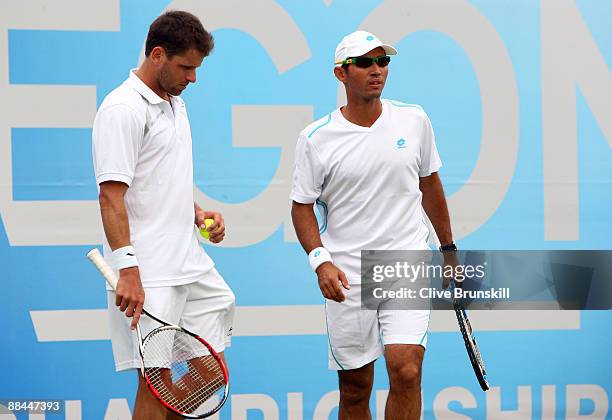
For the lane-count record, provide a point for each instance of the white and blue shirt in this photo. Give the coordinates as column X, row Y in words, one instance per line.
column 365, row 181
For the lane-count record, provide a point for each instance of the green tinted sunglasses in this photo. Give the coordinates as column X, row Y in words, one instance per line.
column 365, row 62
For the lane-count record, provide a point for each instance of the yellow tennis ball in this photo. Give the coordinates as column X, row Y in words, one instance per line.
column 205, row 233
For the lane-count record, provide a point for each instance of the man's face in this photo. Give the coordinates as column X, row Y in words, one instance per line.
column 367, row 83
column 176, row 73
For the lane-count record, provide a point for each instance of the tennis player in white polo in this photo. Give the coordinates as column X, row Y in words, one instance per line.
column 371, row 167
column 143, row 165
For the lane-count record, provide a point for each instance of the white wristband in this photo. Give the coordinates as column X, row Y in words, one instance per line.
column 125, row 257
column 318, row 256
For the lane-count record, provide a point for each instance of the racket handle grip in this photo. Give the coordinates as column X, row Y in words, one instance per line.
column 107, row 272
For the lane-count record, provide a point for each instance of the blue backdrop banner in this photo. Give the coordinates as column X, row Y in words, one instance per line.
column 519, row 93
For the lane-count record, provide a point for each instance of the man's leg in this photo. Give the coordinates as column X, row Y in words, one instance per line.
column 205, row 369
column 355, row 389
column 404, row 363
column 146, row 406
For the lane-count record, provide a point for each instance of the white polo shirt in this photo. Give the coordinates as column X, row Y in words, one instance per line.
column 139, row 139
column 365, row 181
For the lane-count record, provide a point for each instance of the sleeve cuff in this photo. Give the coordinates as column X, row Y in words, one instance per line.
column 302, row 199
column 110, row 176
column 429, row 171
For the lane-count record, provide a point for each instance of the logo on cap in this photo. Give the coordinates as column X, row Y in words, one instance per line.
column 370, row 37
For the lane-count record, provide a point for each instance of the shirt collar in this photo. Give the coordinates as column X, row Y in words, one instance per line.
column 143, row 89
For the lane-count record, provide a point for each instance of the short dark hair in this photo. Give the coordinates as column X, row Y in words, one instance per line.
column 178, row 31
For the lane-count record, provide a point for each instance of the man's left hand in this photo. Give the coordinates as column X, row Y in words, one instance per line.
column 216, row 229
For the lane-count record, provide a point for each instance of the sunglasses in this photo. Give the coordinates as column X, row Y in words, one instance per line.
column 365, row 62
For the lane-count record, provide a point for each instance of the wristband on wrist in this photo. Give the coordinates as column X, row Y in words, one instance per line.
column 125, row 257
column 318, row 256
column 448, row 247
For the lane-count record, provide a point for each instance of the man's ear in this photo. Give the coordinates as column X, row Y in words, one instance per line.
column 340, row 74
column 157, row 54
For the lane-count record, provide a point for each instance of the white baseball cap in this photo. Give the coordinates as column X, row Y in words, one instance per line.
column 359, row 43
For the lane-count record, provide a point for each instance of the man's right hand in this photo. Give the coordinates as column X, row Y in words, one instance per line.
column 130, row 295
column 330, row 278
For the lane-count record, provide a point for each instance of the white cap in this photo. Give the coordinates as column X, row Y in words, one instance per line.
column 359, row 43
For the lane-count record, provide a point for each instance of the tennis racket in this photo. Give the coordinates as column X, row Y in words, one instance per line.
column 181, row 369
column 470, row 344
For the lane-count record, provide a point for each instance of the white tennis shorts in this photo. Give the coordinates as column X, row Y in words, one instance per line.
column 357, row 336
column 205, row 307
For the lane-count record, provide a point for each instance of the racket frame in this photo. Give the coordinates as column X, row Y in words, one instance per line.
column 470, row 344
column 167, row 326
column 107, row 272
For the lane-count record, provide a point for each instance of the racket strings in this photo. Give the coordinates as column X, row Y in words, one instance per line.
column 478, row 356
column 182, row 371
column 199, row 397
column 466, row 329
column 473, row 340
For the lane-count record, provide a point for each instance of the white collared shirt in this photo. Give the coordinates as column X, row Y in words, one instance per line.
column 365, row 181
column 142, row 141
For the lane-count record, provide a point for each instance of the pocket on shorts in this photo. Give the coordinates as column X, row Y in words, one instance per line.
column 343, row 325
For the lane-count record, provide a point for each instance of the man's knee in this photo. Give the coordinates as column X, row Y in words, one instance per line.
column 404, row 366
column 356, row 386
column 405, row 374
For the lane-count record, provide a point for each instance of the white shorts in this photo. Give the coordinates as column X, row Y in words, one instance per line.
column 205, row 307
column 357, row 336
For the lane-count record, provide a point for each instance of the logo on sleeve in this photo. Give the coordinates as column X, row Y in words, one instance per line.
column 400, row 144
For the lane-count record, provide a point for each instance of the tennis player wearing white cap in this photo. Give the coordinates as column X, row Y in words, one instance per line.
column 371, row 167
